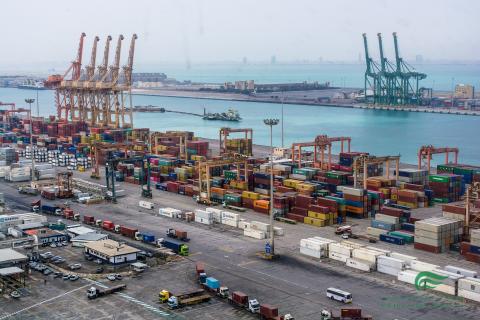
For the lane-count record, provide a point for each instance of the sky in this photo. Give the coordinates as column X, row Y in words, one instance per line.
column 37, row 35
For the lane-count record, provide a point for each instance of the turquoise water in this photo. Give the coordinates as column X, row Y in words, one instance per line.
column 377, row 132
column 348, row 75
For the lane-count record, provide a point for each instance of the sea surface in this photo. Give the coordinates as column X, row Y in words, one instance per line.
column 374, row 131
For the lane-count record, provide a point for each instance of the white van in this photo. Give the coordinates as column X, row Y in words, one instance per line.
column 339, row 295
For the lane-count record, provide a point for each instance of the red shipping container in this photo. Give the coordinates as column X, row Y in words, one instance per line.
column 303, row 201
column 300, row 211
column 394, row 212
column 296, row 217
column 472, row 257
column 464, row 248
column 426, row 247
column 332, row 204
column 351, row 313
column 128, row 232
column 173, row 186
column 268, row 312
column 320, row 209
column 454, row 209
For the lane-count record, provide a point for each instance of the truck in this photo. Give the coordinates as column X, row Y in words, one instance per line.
column 28, row 190
column 177, row 234
column 345, row 314
column 127, row 231
column 36, row 206
column 98, row 223
column 164, row 295
column 199, row 296
column 240, row 300
column 199, row 268
column 268, row 312
column 148, row 238
column 51, row 209
column 178, row 247
column 108, row 225
column 69, row 214
column 138, row 236
column 50, row 195
column 89, row 220
column 213, row 285
column 96, row 292
column 342, row 229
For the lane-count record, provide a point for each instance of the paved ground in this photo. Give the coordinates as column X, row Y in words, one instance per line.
column 294, row 283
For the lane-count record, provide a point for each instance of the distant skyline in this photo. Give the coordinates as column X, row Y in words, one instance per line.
column 41, row 35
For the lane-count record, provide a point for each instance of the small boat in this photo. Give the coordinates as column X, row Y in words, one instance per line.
column 230, row 115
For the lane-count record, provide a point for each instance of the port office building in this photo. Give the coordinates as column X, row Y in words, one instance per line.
column 111, row 251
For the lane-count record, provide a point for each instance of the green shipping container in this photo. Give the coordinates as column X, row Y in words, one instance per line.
column 438, row 178
column 409, row 238
column 441, row 200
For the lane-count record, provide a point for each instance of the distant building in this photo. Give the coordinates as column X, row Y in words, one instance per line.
column 111, row 251
column 241, row 85
column 47, row 236
column 464, row 91
column 86, row 238
column 12, row 220
column 148, row 77
column 250, row 85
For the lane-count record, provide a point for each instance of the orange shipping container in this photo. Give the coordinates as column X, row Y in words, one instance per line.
column 261, row 204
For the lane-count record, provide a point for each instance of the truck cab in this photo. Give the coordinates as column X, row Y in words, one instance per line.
column 98, row 223
column 223, row 292
column 92, row 293
column 202, row 277
column 253, row 306
column 183, row 250
column 117, row 228
column 172, row 302
column 163, row 296
column 138, row 236
column 58, row 212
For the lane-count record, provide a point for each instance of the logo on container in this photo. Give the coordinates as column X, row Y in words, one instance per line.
column 428, row 280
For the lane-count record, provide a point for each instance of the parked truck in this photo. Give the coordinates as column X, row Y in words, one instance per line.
column 178, row 247
column 164, row 295
column 90, row 220
column 240, row 300
column 126, row 231
column 213, row 285
column 148, row 238
column 177, row 234
column 51, row 210
column 36, row 206
column 345, row 314
column 96, row 292
column 69, row 214
column 175, row 302
column 28, row 190
column 108, row 225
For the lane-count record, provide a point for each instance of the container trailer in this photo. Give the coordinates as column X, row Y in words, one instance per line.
column 177, row 234
column 195, row 297
column 213, row 285
column 96, row 292
column 174, row 245
column 90, row 220
column 146, row 204
column 127, row 231
column 28, row 190
column 241, row 300
column 164, row 295
column 108, row 225
column 51, row 209
column 148, row 238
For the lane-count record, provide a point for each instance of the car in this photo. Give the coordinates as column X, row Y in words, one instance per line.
column 74, row 278
column 111, row 277
column 99, row 270
column 98, row 261
column 89, row 258
column 32, row 264
column 66, row 276
column 15, row 294
column 40, row 267
column 75, row 266
column 118, row 276
column 149, row 254
column 53, row 245
column 345, row 236
column 47, row 271
column 57, row 274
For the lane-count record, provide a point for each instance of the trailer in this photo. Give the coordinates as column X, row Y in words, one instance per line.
column 240, row 300
column 174, row 245
column 177, row 234
column 51, row 209
column 96, row 292
column 108, row 225
column 199, row 296
column 28, row 190
column 127, row 231
column 213, row 285
column 90, row 220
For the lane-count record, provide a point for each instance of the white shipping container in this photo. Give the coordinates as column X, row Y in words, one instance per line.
column 257, row 234
column 216, row 214
column 257, row 225
column 311, row 252
column 464, row 272
column 242, row 224
column 169, row 212
column 408, row 259
column 407, row 276
column 422, row 266
column 367, row 255
column 203, row 214
column 387, row 218
column 340, row 249
column 337, row 256
column 278, row 231
column 359, row 264
column 469, row 295
column 375, row 232
column 203, row 220
column 229, row 222
column 352, row 244
column 384, row 251
column 146, row 204
column 385, row 261
column 445, row 289
column 388, row 270
column 469, row 284
column 313, row 244
column 227, row 215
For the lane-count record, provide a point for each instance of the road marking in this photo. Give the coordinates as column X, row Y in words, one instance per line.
column 40, row 303
column 246, row 263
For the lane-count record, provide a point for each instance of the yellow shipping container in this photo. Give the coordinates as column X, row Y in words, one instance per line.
column 305, row 187
column 292, row 183
column 250, row 195
column 314, row 222
column 407, row 204
column 319, row 215
column 354, row 209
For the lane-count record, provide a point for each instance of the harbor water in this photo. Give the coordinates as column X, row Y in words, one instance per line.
column 374, row 131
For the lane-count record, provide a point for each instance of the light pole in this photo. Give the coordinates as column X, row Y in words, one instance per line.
column 271, row 123
column 30, row 101
column 283, row 98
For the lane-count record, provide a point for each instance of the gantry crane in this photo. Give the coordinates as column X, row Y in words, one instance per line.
column 297, row 151
column 96, row 146
column 204, row 173
column 472, row 194
column 183, row 137
column 360, row 166
column 320, row 145
column 65, row 184
column 224, row 134
column 426, row 153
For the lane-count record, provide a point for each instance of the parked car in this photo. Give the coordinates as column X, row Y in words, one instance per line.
column 111, row 277
column 74, row 278
column 118, row 276
column 75, row 266
column 47, row 271
column 66, row 276
column 57, row 274
column 99, row 270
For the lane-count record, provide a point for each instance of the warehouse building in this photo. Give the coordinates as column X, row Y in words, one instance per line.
column 78, row 231
column 12, row 269
column 47, row 236
column 13, row 220
column 83, row 239
column 111, row 251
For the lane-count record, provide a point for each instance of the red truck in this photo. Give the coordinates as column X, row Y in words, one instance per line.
column 89, row 220
column 268, row 312
column 108, row 225
column 127, row 231
column 69, row 214
column 177, row 234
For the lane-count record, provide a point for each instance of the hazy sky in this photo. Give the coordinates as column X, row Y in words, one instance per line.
column 45, row 33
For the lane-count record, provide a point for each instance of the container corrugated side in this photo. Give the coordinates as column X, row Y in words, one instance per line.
column 469, row 295
column 388, row 270
column 337, row 256
column 359, row 264
column 422, row 266
column 407, row 276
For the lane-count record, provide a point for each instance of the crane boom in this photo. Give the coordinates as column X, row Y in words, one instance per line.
column 116, row 64
column 368, row 60
column 398, row 60
column 103, row 68
column 129, row 67
column 91, row 67
column 380, row 47
column 77, row 64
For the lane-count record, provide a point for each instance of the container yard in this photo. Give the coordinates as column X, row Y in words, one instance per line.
column 101, row 218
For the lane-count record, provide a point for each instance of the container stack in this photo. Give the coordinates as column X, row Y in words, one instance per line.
column 300, row 210
column 248, row 198
column 389, row 265
column 197, row 148
column 469, row 173
column 8, row 155
column 261, row 183
column 315, row 247
column 240, row 146
column 169, row 212
column 356, row 202
column 18, row 174
column 446, row 187
column 204, row 217
column 230, row 218
column 257, row 230
column 414, row 176
column 216, row 214
column 339, row 252
column 364, row 259
column 449, row 283
column 471, row 250
column 437, row 234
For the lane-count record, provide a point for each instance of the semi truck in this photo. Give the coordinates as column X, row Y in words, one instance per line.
column 126, row 231
column 175, row 302
column 213, row 285
column 177, row 234
column 108, row 225
column 164, row 295
column 51, row 210
column 28, row 190
column 240, row 300
column 96, row 292
column 178, row 247
column 70, row 215
column 90, row 220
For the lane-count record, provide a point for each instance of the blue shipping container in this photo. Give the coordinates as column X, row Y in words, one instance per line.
column 408, row 227
column 148, row 238
column 212, row 283
column 392, row 239
column 475, row 249
column 382, row 225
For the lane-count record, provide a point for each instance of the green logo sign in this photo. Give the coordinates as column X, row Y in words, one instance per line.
column 428, row 280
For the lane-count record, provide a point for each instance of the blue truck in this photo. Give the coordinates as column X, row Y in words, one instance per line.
column 176, row 246
column 51, row 209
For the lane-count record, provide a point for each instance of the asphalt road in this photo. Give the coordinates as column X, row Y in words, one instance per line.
column 294, row 283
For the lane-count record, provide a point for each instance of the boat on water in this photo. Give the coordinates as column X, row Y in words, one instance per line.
column 32, row 85
column 230, row 115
